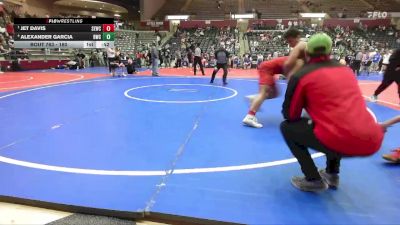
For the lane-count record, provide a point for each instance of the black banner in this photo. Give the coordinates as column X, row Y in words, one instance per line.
column 58, row 28
column 62, row 36
column 63, row 21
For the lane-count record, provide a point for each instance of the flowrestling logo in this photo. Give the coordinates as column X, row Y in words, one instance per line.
column 377, row 15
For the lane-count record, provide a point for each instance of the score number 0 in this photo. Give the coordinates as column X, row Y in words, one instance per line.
column 108, row 27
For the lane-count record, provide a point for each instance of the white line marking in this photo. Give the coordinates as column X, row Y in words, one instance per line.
column 56, row 126
column 9, row 145
column 16, row 81
column 389, row 103
column 151, row 172
column 80, row 77
column 377, row 83
column 134, row 173
column 182, row 90
column 372, row 114
column 126, row 93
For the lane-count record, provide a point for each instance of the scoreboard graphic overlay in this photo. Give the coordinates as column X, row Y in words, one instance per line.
column 64, row 32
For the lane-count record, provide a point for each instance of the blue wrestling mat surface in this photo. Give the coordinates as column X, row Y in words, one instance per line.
column 175, row 148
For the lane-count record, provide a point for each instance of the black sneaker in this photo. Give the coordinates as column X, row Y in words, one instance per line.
column 309, row 186
column 330, row 178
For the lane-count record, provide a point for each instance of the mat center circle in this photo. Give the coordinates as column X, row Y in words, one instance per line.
column 180, row 93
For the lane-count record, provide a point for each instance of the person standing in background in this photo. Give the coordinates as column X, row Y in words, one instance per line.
column 197, row 60
column 376, row 58
column 385, row 60
column 357, row 62
column 190, row 57
column 110, row 57
column 222, row 58
column 167, row 58
column 154, row 60
column 178, row 59
column 392, row 74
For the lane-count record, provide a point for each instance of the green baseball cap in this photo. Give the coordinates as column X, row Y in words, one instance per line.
column 319, row 43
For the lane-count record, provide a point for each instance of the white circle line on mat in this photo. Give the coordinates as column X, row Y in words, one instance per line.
column 136, row 172
column 126, row 93
column 381, row 101
column 150, row 172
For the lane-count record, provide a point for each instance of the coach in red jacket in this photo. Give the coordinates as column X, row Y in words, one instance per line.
column 340, row 124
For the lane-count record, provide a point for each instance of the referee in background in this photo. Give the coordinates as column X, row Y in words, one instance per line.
column 222, row 58
column 110, row 57
column 392, row 74
column 197, row 59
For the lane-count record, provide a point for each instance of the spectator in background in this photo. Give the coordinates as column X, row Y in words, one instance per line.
column 260, row 59
column 81, row 59
column 139, row 58
column 236, row 61
column 275, row 55
column 93, row 59
column 231, row 60
column 185, row 61
column 190, row 57
column 219, row 4
column 178, row 59
column 158, row 37
column 99, row 57
column 385, row 60
column 246, row 62
column 269, row 57
column 130, row 66
column 376, row 58
column 366, row 62
column 161, row 56
column 2, row 49
column 349, row 58
column 154, row 59
column 10, row 27
column 167, row 58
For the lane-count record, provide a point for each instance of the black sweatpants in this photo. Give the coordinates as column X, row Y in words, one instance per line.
column 130, row 68
column 224, row 66
column 356, row 66
column 299, row 136
column 197, row 60
column 178, row 63
column 110, row 61
column 390, row 76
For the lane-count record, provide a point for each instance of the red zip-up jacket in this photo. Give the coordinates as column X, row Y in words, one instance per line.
column 330, row 94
